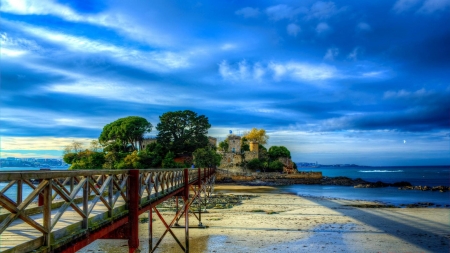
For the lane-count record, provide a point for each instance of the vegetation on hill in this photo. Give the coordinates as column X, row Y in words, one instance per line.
column 119, row 146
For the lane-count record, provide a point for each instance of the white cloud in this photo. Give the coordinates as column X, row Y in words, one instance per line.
column 431, row 6
column 248, row 12
column 114, row 19
column 331, row 54
column 282, row 11
column 426, row 6
column 41, row 7
column 323, row 28
column 354, row 54
column 258, row 71
column 404, row 5
column 11, row 52
column 407, row 94
column 228, row 46
column 363, row 27
column 118, row 91
column 278, row 71
column 373, row 74
column 322, row 10
column 302, row 71
column 154, row 60
column 16, row 47
column 241, row 73
column 293, row 29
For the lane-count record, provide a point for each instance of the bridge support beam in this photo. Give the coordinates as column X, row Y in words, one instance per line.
column 133, row 213
column 186, row 208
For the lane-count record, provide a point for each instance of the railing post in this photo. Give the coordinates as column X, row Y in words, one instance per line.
column 150, row 229
column 86, row 202
column 133, row 208
column 200, row 197
column 47, row 213
column 186, row 208
column 19, row 191
column 111, row 195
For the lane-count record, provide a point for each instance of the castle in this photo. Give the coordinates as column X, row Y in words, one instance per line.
column 233, row 157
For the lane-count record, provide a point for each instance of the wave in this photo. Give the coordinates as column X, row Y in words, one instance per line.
column 380, row 171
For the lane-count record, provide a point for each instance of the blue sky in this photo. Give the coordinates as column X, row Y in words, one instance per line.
column 364, row 82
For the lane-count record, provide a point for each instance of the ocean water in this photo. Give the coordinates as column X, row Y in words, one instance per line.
column 417, row 175
column 423, row 175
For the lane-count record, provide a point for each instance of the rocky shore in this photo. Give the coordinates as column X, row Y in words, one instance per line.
column 270, row 179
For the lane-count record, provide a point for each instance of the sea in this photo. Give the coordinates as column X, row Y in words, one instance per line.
column 417, row 175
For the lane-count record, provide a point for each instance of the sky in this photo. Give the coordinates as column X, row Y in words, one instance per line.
column 363, row 82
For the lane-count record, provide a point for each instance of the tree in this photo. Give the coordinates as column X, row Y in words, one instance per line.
column 124, row 133
column 168, row 161
column 152, row 155
column 131, row 161
column 223, row 145
column 255, row 164
column 74, row 147
column 276, row 152
column 183, row 131
column 244, row 144
column 276, row 166
column 206, row 158
column 257, row 135
column 86, row 159
column 95, row 146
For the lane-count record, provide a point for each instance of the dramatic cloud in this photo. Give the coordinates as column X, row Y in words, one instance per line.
column 325, row 78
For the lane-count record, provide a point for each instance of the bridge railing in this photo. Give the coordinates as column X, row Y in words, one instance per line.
column 51, row 193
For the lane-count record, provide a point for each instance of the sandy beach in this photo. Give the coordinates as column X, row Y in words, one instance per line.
column 273, row 221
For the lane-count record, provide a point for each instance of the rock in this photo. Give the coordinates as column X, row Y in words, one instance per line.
column 401, row 184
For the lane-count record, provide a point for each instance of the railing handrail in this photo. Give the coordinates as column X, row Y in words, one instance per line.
column 41, row 174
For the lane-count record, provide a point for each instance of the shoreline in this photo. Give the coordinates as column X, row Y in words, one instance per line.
column 273, row 221
column 230, row 188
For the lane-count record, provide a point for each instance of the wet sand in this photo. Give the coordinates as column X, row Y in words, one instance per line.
column 273, row 221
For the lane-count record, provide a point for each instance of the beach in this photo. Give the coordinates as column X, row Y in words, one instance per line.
column 269, row 220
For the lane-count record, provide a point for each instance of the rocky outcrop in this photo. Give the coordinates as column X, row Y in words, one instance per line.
column 440, row 188
column 271, row 179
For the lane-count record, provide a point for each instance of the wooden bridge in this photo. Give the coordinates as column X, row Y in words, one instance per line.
column 63, row 211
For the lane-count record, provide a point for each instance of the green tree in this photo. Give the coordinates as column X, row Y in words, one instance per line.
column 168, row 161
column 244, row 144
column 131, row 161
column 205, row 158
column 276, row 166
column 124, row 133
column 223, row 145
column 183, row 131
column 255, row 164
column 86, row 159
column 276, row 152
column 153, row 155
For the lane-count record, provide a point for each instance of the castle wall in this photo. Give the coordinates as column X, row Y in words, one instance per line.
column 234, row 144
